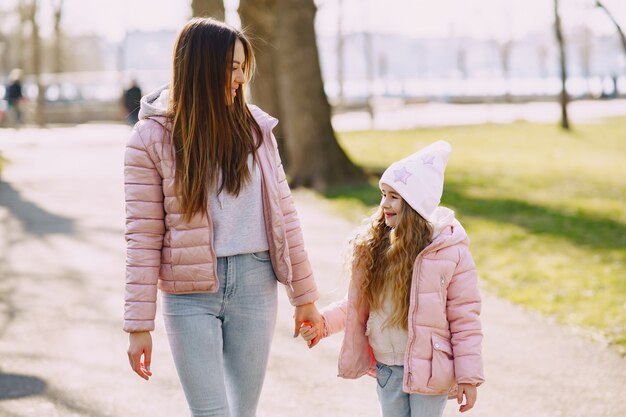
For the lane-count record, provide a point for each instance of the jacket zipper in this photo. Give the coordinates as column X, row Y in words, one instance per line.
column 442, row 280
column 212, row 240
column 415, row 291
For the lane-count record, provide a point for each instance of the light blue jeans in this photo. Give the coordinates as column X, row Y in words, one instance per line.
column 396, row 403
column 221, row 342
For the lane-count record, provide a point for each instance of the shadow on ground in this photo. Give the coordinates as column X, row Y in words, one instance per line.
column 17, row 386
column 35, row 220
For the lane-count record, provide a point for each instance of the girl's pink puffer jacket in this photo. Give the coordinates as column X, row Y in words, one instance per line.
column 444, row 330
column 178, row 257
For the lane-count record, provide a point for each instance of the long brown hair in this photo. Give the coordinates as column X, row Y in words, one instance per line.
column 211, row 138
column 386, row 256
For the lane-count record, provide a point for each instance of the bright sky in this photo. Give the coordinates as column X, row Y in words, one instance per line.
column 478, row 18
column 500, row 19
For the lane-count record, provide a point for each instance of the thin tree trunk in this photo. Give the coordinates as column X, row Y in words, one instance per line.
column 368, row 53
column 505, row 64
column 259, row 21
column 58, row 38
column 36, row 57
column 617, row 26
column 21, row 43
column 564, row 99
column 208, row 8
column 316, row 159
column 340, row 48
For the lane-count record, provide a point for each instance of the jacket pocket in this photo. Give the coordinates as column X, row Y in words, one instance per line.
column 442, row 364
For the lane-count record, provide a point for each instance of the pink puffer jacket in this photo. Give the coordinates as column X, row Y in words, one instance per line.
column 444, row 330
column 178, row 257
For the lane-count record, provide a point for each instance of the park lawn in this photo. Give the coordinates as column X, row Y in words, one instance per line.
column 545, row 211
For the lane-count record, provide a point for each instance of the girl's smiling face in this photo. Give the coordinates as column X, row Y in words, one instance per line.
column 391, row 204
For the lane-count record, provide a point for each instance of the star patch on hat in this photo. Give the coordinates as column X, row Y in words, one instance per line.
column 401, row 175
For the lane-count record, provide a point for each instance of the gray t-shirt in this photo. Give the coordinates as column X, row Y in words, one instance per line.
column 238, row 221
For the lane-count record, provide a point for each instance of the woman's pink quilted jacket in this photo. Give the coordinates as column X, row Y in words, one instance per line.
column 178, row 257
column 444, row 331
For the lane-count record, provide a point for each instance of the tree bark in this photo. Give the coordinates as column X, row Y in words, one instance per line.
column 258, row 20
column 564, row 99
column 316, row 159
column 208, row 8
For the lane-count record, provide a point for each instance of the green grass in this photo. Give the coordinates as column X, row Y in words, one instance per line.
column 545, row 211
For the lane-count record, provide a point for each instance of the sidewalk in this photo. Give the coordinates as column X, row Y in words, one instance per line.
column 62, row 351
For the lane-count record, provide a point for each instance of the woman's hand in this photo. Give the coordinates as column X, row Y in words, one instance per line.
column 140, row 345
column 308, row 313
column 470, row 396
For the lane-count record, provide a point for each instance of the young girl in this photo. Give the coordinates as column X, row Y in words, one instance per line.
column 211, row 223
column 411, row 316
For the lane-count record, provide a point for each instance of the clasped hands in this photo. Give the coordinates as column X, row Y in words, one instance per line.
column 308, row 323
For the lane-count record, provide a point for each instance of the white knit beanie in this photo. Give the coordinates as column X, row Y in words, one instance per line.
column 418, row 178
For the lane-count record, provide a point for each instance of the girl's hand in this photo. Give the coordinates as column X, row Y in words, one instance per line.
column 308, row 313
column 470, row 396
column 140, row 345
column 308, row 332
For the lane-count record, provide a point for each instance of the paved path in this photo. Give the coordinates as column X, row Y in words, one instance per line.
column 62, row 352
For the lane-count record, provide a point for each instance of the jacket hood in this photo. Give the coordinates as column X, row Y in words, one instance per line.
column 447, row 230
column 154, row 103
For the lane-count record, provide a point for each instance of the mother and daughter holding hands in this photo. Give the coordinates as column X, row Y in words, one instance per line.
column 210, row 221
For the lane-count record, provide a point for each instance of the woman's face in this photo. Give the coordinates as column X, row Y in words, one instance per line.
column 237, row 77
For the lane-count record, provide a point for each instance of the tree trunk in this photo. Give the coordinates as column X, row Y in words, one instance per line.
column 505, row 64
column 208, row 8
column 340, row 49
column 259, row 21
column 58, row 38
column 36, row 57
column 564, row 99
column 316, row 160
column 617, row 26
column 21, row 42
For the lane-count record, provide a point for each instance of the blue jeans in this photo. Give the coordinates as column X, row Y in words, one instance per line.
column 221, row 342
column 396, row 403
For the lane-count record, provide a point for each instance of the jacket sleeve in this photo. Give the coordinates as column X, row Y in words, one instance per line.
column 463, row 310
column 303, row 288
column 145, row 229
column 334, row 317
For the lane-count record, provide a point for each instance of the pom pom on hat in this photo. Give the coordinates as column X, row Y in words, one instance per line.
column 418, row 178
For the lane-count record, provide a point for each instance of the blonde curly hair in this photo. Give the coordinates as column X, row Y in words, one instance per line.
column 386, row 256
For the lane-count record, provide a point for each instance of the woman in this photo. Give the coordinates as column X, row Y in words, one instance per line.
column 211, row 223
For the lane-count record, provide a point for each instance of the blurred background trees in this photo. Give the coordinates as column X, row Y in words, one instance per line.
column 310, row 67
column 204, row 8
